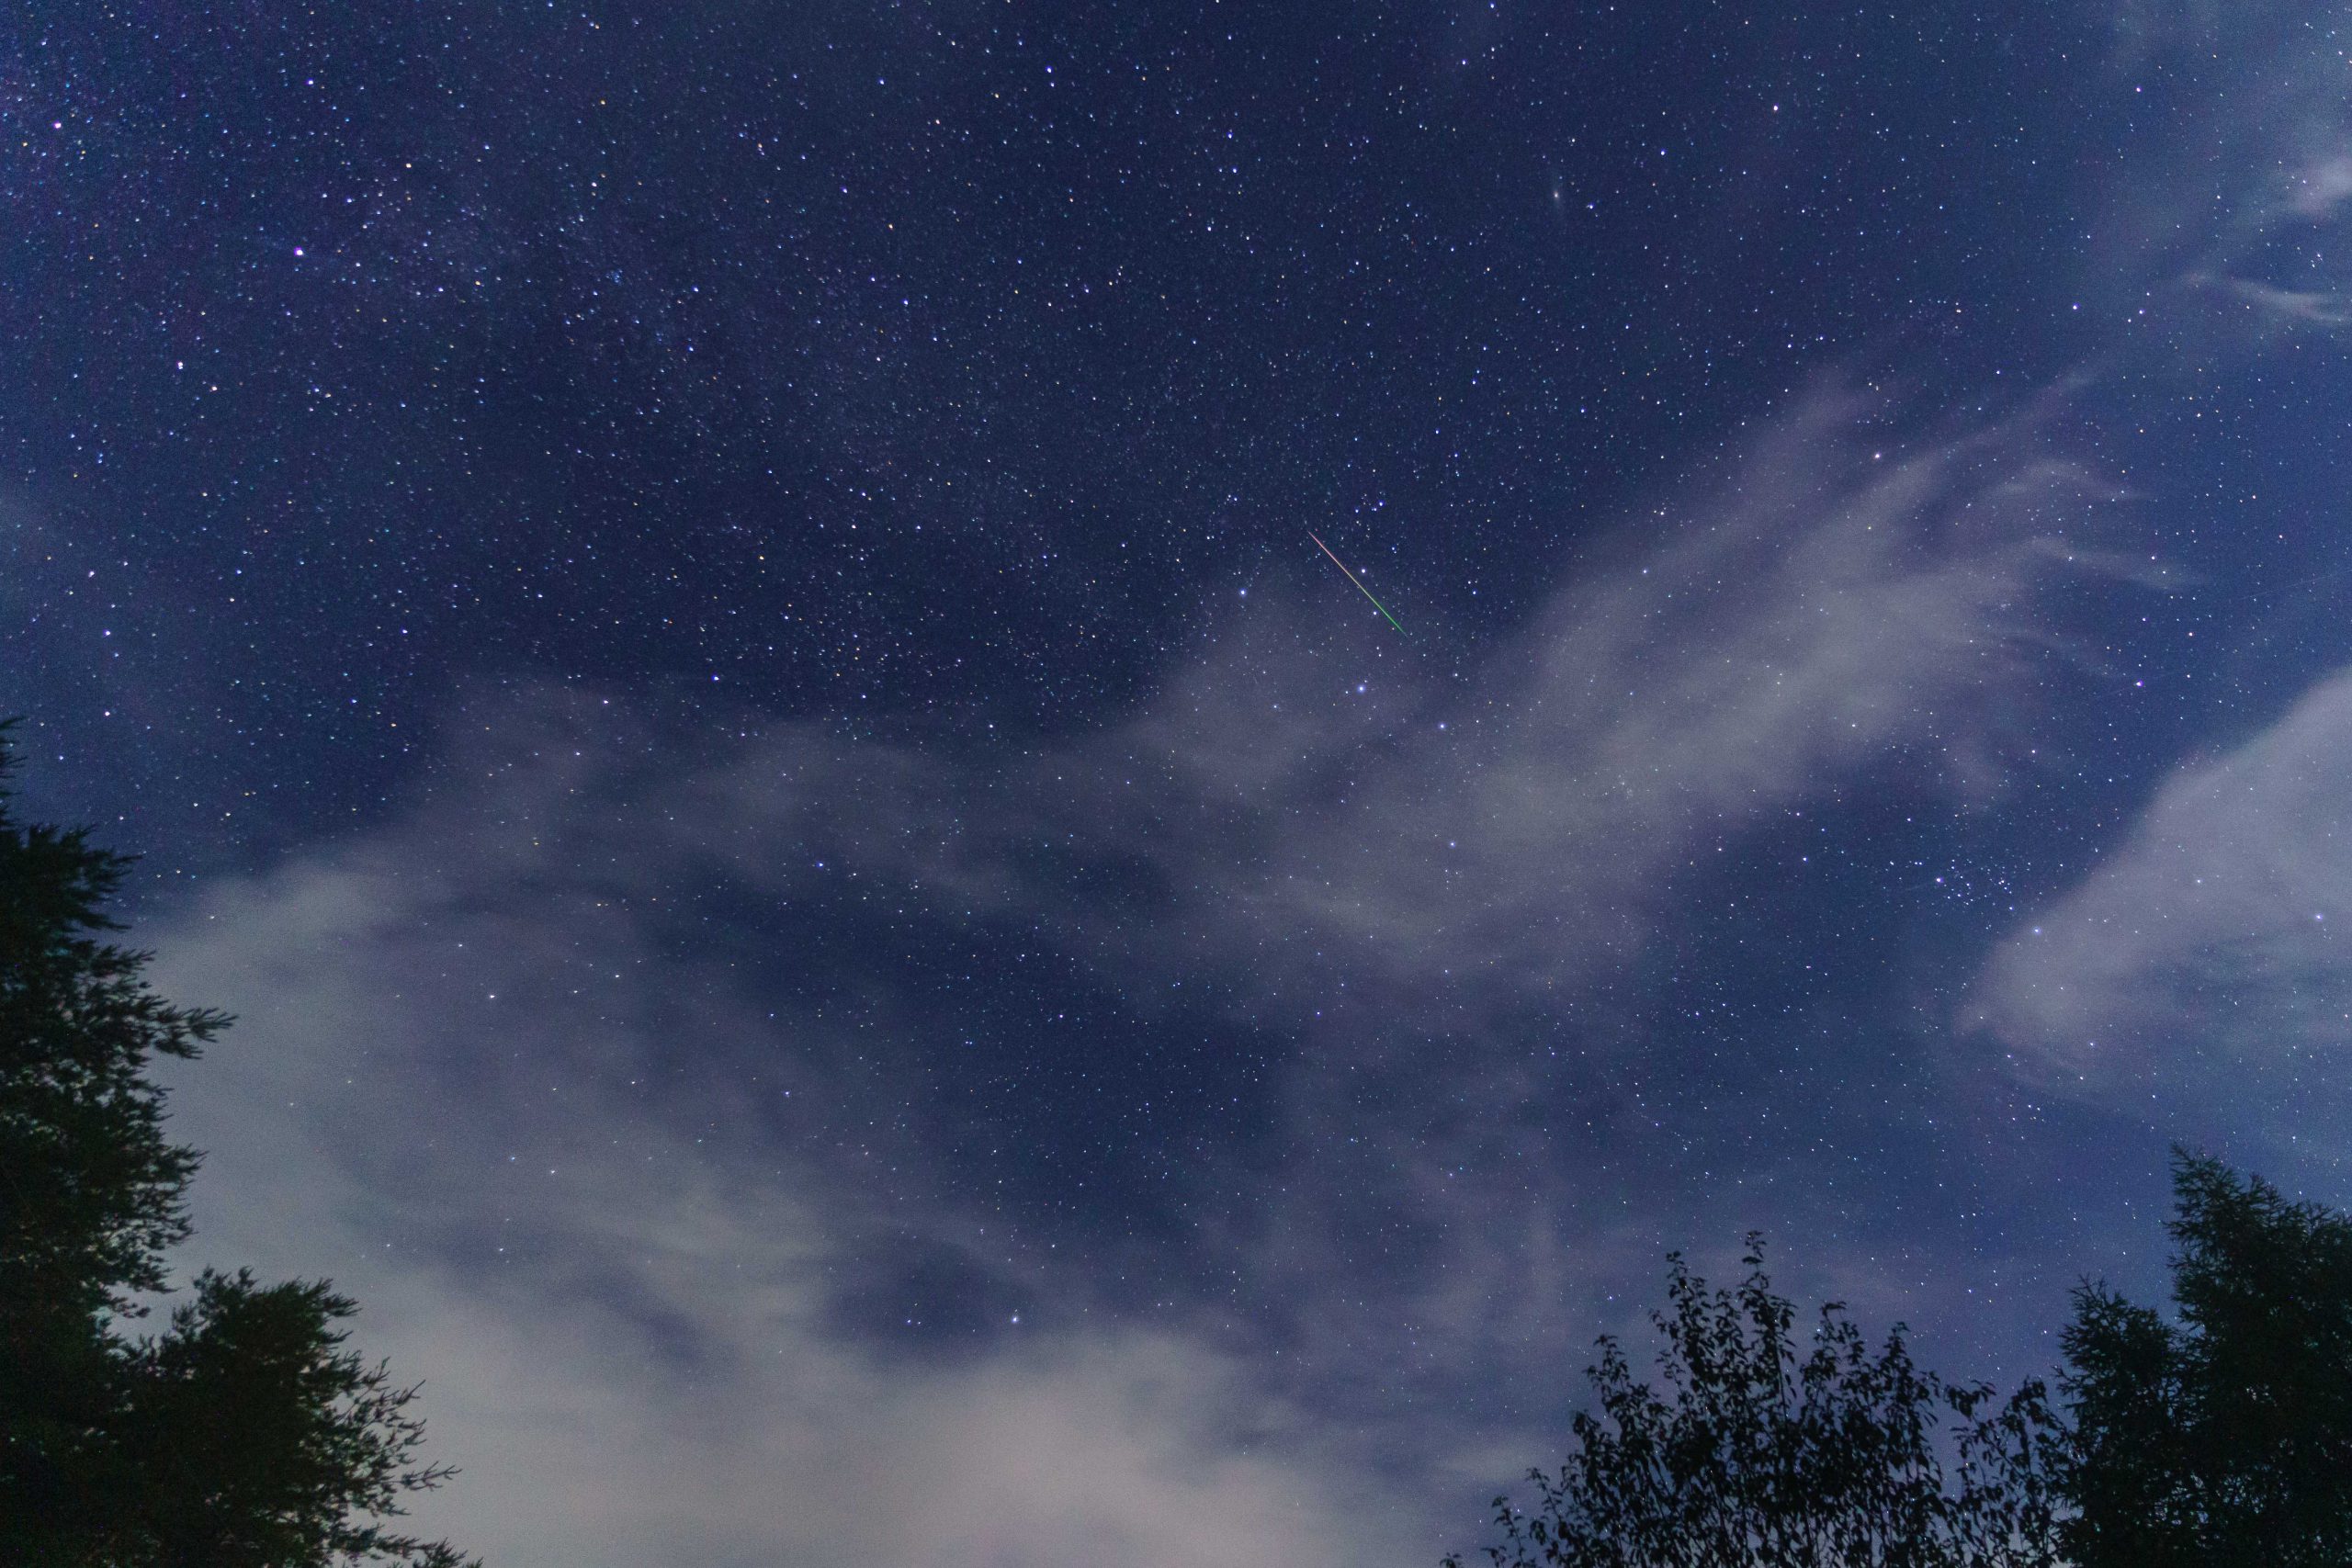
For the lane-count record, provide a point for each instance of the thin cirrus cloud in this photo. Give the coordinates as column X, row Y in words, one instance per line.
column 2203, row 963
column 1305, row 809
column 502, row 1076
column 2195, row 978
column 2237, row 190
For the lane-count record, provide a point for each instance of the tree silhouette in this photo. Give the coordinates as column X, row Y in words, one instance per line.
column 2222, row 1440
column 243, row 1433
column 2226, row 1438
column 1757, row 1458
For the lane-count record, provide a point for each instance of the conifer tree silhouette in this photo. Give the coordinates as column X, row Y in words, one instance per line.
column 244, row 1434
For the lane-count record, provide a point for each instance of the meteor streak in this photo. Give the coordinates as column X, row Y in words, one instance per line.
column 1352, row 578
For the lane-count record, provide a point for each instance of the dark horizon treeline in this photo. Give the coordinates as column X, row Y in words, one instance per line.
column 2220, row 1440
column 244, row 1436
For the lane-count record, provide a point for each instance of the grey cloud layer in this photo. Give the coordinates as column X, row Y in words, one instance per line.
column 620, row 1295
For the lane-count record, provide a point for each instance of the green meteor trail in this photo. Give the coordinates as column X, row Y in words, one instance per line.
column 1352, row 578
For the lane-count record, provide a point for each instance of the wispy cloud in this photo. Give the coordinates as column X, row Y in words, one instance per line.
column 2306, row 307
column 633, row 1181
column 620, row 1275
column 2238, row 194
column 1327, row 819
column 2207, row 949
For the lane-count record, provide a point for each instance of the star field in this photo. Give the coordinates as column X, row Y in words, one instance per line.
column 705, row 617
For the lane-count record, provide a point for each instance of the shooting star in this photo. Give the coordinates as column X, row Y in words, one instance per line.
column 1352, row 578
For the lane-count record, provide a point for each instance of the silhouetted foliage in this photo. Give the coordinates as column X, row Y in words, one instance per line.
column 2222, row 1440
column 243, row 1433
column 1756, row 1456
column 2225, row 1437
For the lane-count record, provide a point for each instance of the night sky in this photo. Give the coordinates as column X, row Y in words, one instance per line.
column 859, row 950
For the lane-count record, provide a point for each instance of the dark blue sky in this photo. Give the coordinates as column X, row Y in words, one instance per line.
column 707, row 621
